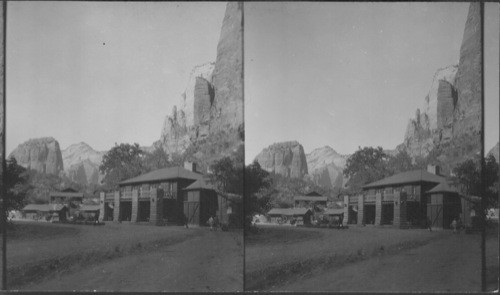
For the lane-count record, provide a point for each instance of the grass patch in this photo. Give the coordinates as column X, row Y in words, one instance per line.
column 34, row 231
column 81, row 258
column 281, row 236
column 273, row 276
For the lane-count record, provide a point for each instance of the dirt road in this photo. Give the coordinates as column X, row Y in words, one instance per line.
column 198, row 264
column 129, row 258
column 386, row 262
column 451, row 264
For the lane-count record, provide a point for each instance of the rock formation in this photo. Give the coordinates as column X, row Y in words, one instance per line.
column 85, row 172
column 41, row 154
column 212, row 104
column 449, row 125
column 434, row 124
column 467, row 115
column 284, row 158
column 81, row 163
column 227, row 111
column 495, row 151
column 326, row 167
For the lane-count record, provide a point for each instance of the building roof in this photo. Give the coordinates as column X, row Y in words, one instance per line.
column 89, row 208
column 69, row 190
column 288, row 211
column 407, row 177
column 66, row 194
column 313, row 193
column 43, row 207
column 311, row 199
column 443, row 187
column 200, row 184
column 164, row 174
column 334, row 211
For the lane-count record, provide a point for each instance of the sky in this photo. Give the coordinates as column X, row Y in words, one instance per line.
column 349, row 75
column 102, row 73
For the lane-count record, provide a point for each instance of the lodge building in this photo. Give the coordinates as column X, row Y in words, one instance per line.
column 164, row 195
column 407, row 199
column 310, row 200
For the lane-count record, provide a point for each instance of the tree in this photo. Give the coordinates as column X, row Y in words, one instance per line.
column 364, row 166
column 15, row 185
column 227, row 177
column 468, row 176
column 227, row 173
column 401, row 162
column 122, row 162
column 257, row 181
column 156, row 159
column 177, row 159
column 257, row 197
column 490, row 181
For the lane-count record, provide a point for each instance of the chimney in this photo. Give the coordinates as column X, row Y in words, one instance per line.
column 190, row 166
column 434, row 169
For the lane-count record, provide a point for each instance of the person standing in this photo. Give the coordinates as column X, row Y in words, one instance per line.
column 454, row 226
column 211, row 223
column 216, row 222
column 185, row 221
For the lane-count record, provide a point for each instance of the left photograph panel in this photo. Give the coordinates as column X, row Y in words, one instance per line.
column 124, row 146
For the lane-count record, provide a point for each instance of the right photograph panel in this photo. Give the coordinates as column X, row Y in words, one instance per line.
column 371, row 165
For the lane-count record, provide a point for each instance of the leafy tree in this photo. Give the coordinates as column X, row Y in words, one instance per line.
column 400, row 162
column 364, row 166
column 14, row 183
column 227, row 177
column 227, row 173
column 156, row 159
column 257, row 199
column 468, row 176
column 122, row 162
column 177, row 159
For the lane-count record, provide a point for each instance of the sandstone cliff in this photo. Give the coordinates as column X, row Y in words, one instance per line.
column 467, row 115
column 448, row 127
column 434, row 125
column 495, row 151
column 227, row 111
column 41, row 154
column 211, row 108
column 325, row 167
column 81, row 163
column 284, row 158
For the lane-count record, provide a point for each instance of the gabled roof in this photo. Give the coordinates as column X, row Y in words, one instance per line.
column 43, row 207
column 311, row 199
column 69, row 190
column 66, row 194
column 200, row 184
column 288, row 211
column 314, row 193
column 443, row 187
column 414, row 176
column 164, row 174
